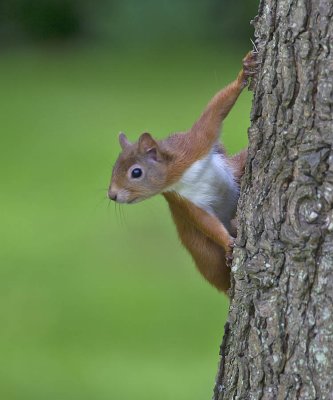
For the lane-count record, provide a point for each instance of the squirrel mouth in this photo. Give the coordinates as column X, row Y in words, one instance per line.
column 135, row 200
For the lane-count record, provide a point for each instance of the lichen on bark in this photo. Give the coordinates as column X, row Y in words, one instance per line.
column 279, row 338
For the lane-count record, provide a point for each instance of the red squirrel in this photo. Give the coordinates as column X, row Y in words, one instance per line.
column 199, row 181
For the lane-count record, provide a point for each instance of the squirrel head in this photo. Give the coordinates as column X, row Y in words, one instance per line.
column 140, row 170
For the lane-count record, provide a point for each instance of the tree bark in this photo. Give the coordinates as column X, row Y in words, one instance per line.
column 278, row 341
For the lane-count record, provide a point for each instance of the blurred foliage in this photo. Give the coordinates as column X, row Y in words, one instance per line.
column 127, row 21
column 48, row 19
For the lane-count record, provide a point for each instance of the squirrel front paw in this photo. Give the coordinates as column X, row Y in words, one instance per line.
column 229, row 251
column 250, row 68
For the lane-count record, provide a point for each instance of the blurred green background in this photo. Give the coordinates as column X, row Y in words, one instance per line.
column 97, row 301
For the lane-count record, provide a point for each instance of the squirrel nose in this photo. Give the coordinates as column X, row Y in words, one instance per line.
column 112, row 195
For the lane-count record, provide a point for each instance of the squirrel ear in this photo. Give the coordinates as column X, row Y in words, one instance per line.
column 146, row 142
column 147, row 145
column 123, row 140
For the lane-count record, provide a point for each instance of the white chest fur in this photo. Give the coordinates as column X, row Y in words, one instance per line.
column 209, row 184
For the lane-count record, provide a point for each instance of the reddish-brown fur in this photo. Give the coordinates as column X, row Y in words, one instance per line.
column 204, row 236
column 165, row 161
column 195, row 144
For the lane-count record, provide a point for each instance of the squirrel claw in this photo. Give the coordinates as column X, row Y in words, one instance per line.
column 251, row 65
column 228, row 254
column 228, row 259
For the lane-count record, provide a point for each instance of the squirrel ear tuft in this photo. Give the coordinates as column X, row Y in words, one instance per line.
column 123, row 140
column 148, row 146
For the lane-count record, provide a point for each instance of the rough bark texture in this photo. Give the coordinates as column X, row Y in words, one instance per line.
column 278, row 342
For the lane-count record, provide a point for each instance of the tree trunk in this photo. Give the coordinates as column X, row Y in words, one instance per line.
column 278, row 342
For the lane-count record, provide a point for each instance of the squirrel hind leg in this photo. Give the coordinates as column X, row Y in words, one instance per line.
column 209, row 257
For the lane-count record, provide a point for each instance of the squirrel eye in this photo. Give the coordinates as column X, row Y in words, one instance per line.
column 136, row 173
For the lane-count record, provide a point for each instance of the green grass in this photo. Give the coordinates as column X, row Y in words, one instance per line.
column 97, row 302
